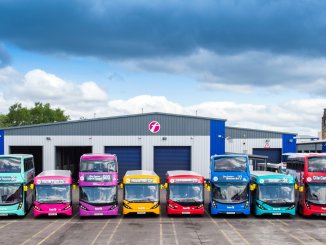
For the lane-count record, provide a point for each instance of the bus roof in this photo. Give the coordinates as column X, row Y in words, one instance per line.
column 17, row 155
column 312, row 154
column 229, row 155
column 55, row 173
column 98, row 156
column 141, row 172
column 182, row 172
column 267, row 174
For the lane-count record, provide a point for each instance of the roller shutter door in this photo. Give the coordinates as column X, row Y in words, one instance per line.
column 171, row 158
column 274, row 154
column 129, row 158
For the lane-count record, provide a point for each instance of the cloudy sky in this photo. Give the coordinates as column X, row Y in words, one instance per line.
column 257, row 63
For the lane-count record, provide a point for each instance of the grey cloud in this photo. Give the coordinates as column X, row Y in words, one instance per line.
column 131, row 29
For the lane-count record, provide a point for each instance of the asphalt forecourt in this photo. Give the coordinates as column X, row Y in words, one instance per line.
column 162, row 229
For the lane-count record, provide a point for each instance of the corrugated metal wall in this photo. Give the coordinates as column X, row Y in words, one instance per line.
column 200, row 147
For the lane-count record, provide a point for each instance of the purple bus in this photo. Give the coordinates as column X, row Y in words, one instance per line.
column 98, row 185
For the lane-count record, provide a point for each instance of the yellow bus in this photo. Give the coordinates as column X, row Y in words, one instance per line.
column 141, row 192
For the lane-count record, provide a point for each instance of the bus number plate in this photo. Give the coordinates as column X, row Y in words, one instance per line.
column 276, row 214
column 98, row 214
column 3, row 214
column 141, row 212
column 53, row 214
column 323, row 214
column 185, row 212
column 230, row 212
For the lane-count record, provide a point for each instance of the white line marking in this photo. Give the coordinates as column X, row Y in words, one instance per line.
column 174, row 232
column 161, row 231
column 214, row 221
column 114, row 231
column 35, row 235
column 236, row 231
column 100, row 232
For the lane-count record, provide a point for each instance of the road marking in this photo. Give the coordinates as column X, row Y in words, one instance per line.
column 214, row 221
column 8, row 224
column 174, row 232
column 114, row 231
column 161, row 231
column 281, row 221
column 35, row 235
column 310, row 237
column 59, row 227
column 100, row 232
column 236, row 231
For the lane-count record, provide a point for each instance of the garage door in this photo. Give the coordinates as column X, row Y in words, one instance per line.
column 274, row 154
column 171, row 158
column 129, row 157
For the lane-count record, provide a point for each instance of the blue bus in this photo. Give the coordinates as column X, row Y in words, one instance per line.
column 16, row 174
column 229, row 184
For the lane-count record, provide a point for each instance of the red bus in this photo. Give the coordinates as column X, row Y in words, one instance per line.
column 310, row 173
column 185, row 192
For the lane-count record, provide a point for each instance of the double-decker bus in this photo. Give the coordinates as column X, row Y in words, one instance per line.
column 185, row 192
column 16, row 174
column 272, row 193
column 98, row 181
column 141, row 192
column 229, row 184
column 53, row 193
column 309, row 171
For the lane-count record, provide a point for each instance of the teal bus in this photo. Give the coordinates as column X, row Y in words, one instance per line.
column 16, row 176
column 272, row 193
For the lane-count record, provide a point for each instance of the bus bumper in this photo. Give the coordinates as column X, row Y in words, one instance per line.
column 51, row 213
column 111, row 212
column 275, row 212
column 12, row 210
column 314, row 211
column 192, row 211
column 230, row 209
column 142, row 211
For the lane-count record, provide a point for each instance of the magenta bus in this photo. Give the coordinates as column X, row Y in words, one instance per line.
column 53, row 193
column 98, row 185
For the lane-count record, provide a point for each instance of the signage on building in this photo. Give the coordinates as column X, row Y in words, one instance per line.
column 154, row 127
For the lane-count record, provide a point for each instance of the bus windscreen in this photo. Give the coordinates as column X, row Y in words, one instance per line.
column 142, row 193
column 98, row 195
column 11, row 193
column 10, row 165
column 98, row 166
column 230, row 164
column 316, row 193
column 317, row 164
column 186, row 193
column 53, row 193
column 230, row 192
column 276, row 194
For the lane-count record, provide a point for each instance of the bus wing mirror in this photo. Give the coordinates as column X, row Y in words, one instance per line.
column 31, row 186
column 74, row 186
column 25, row 188
column 162, row 187
column 301, row 189
column 121, row 186
column 253, row 187
column 208, row 187
column 166, row 185
column 296, row 186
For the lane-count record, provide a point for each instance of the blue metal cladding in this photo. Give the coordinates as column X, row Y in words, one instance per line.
column 324, row 147
column 289, row 143
column 129, row 158
column 217, row 137
column 171, row 158
column 2, row 142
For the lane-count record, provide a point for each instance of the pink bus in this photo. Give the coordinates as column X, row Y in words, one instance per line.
column 53, row 193
column 98, row 185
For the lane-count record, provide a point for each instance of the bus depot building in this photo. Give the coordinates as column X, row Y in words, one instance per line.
column 149, row 141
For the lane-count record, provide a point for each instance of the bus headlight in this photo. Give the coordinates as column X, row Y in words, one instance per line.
column 126, row 206
column 307, row 204
column 68, row 207
column 214, row 204
column 37, row 208
column 260, row 206
column 156, row 205
column 292, row 206
column 113, row 207
column 246, row 205
column 171, row 206
column 82, row 207
column 200, row 206
column 20, row 205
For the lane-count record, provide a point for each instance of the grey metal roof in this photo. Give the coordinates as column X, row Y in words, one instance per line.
column 249, row 133
column 137, row 124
